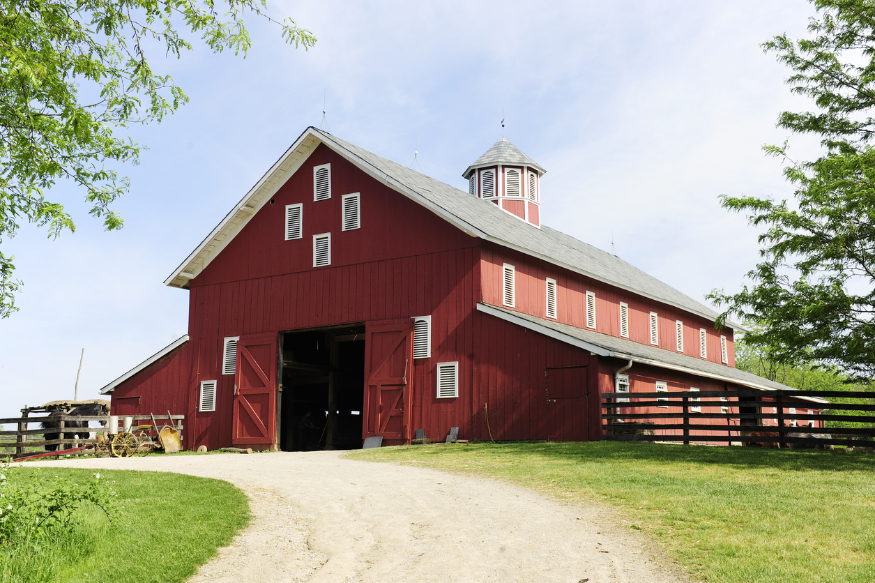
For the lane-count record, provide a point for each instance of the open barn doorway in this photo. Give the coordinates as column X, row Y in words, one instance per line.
column 322, row 380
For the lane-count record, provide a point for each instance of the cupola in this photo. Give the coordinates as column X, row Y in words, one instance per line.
column 509, row 179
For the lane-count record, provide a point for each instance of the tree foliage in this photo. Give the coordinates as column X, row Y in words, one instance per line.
column 72, row 72
column 814, row 290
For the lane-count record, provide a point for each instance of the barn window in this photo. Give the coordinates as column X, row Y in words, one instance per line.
column 351, row 212
column 487, row 183
column 810, row 421
column 447, row 380
column 472, row 184
column 208, row 397
column 508, row 285
column 703, row 343
column 680, row 335
column 654, row 329
column 724, row 354
column 662, row 387
column 229, row 355
column 695, row 408
column 622, row 383
column 624, row 319
column 551, row 298
column 322, row 182
column 533, row 187
column 322, row 250
column 723, row 409
column 422, row 337
column 294, row 218
column 590, row 309
column 512, row 182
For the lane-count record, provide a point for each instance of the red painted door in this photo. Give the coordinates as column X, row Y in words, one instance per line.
column 567, row 403
column 254, row 417
column 389, row 385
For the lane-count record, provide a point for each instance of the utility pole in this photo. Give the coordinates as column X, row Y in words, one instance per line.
column 76, row 389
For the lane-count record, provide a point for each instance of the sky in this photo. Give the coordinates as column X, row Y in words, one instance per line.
column 643, row 114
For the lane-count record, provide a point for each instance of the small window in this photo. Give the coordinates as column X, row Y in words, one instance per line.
column 792, row 411
column 322, row 250
column 622, row 387
column 624, row 319
column 723, row 409
column 654, row 329
column 551, row 298
column 422, row 337
column 472, row 184
column 533, row 187
column 508, row 284
column 703, row 343
column 322, row 182
column 447, row 380
column 512, row 182
column 680, row 335
column 810, row 421
column 724, row 354
column 229, row 355
column 208, row 397
column 293, row 221
column 590, row 309
column 697, row 408
column 662, row 387
column 487, row 183
column 351, row 211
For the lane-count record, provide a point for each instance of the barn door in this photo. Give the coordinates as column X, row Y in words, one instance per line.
column 389, row 374
column 567, row 403
column 254, row 417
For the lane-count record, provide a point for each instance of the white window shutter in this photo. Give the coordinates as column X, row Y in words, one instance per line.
column 695, row 408
column 508, row 285
column 422, row 337
column 294, row 221
column 662, row 387
column 322, row 250
column 351, row 211
column 680, row 335
column 472, row 184
column 322, row 182
column 487, row 183
column 724, row 352
column 551, row 298
column 654, row 329
column 229, row 355
column 590, row 309
column 533, row 187
column 208, row 397
column 624, row 319
column 703, row 343
column 447, row 380
column 512, row 182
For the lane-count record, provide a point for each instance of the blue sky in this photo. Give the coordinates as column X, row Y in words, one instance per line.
column 643, row 113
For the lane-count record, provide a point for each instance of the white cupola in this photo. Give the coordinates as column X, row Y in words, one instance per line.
column 508, row 178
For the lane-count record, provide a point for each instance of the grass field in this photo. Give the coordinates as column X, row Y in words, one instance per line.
column 166, row 526
column 725, row 514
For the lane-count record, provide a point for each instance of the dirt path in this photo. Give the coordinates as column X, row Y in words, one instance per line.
column 321, row 518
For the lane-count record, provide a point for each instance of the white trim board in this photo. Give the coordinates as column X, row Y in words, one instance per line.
column 154, row 358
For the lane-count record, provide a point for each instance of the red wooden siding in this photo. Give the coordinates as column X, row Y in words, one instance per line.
column 534, row 214
column 515, row 207
column 156, row 388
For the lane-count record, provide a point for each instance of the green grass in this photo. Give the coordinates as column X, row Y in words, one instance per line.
column 723, row 513
column 166, row 526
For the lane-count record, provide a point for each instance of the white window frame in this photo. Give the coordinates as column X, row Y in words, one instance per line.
column 811, row 421
column 724, row 350
column 300, row 208
column 695, row 408
column 505, row 269
column 654, row 328
column 662, row 387
column 621, row 381
column 416, row 320
column 455, row 366
column 703, row 343
column 533, row 192
column 358, row 211
column 472, row 184
column 792, row 411
column 315, row 186
column 624, row 320
column 201, row 408
column 551, row 285
column 590, row 310
column 225, row 363
column 328, row 235
column 519, row 175
column 679, row 334
column 724, row 408
column 483, row 174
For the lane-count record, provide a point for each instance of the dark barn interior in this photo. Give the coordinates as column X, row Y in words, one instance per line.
column 322, row 380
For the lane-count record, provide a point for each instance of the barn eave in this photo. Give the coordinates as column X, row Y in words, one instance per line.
column 145, row 364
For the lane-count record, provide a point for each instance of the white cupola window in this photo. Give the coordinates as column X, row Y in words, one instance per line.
column 487, row 183
column 512, row 182
column 472, row 184
column 533, row 187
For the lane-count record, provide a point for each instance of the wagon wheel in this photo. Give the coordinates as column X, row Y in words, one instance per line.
column 145, row 442
column 101, row 448
column 124, row 444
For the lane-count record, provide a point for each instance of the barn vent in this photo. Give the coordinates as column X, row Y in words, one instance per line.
column 724, row 353
column 508, row 285
column 533, row 187
column 322, row 250
column 654, row 329
column 662, row 387
column 208, row 397
column 229, row 355
column 590, row 309
column 351, row 212
column 447, row 380
column 703, row 343
column 487, row 183
column 512, row 182
column 551, row 298
column 680, row 335
column 472, row 184
column 624, row 319
column 322, row 182
column 422, row 337
column 294, row 217
column 695, row 408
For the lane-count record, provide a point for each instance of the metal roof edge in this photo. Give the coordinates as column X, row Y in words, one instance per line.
column 155, row 357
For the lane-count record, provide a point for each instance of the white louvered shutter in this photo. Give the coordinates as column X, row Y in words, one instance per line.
column 422, row 337
column 654, row 329
column 512, row 182
column 294, row 221
column 724, row 353
column 624, row 319
column 533, row 187
column 229, row 355
column 472, row 184
column 208, row 397
column 487, row 183
column 322, row 182
column 322, row 250
column 447, row 380
column 508, row 285
column 590, row 309
column 680, row 335
column 551, row 298
column 703, row 343
column 351, row 212
column 695, row 408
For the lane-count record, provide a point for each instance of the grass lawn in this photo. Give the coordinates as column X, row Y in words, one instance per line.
column 723, row 513
column 166, row 526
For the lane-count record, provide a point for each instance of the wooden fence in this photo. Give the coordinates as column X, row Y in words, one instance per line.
column 22, row 435
column 624, row 418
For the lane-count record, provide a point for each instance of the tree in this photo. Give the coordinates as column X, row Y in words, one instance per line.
column 72, row 72
column 813, row 293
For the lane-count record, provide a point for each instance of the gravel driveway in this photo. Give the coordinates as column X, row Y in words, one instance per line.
column 321, row 518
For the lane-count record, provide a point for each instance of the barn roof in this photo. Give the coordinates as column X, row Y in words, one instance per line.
column 503, row 152
column 154, row 358
column 468, row 213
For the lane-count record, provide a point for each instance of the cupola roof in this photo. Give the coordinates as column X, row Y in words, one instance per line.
column 503, row 152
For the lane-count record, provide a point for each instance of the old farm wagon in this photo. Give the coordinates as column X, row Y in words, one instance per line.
column 347, row 296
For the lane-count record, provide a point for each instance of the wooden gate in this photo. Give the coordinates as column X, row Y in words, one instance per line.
column 389, row 385
column 567, row 403
column 254, row 418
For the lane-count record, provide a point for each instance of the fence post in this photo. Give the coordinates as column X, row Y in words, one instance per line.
column 686, row 406
column 611, row 411
column 779, row 401
column 22, row 426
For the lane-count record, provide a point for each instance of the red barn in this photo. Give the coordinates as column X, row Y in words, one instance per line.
column 347, row 296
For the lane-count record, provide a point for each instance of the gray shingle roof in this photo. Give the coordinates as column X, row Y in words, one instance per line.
column 503, row 152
